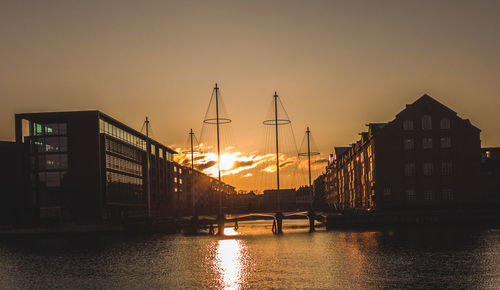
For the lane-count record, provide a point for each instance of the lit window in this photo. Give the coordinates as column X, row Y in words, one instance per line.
column 407, row 125
column 448, row 194
column 488, row 154
column 446, row 168
column 37, row 129
column 428, row 195
column 426, row 122
column 428, row 169
column 445, row 142
column 175, row 179
column 410, row 169
column 180, row 181
column 180, row 170
column 175, row 169
column 426, row 143
column 411, row 195
column 175, row 189
column 444, row 123
column 408, row 144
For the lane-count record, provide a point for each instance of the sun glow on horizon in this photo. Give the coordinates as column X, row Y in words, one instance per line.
column 246, row 169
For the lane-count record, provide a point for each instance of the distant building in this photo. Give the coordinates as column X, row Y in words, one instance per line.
column 304, row 196
column 287, row 199
column 206, row 191
column 426, row 157
column 490, row 173
column 85, row 166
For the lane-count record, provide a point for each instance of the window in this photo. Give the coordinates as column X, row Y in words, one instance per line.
column 37, row 129
column 175, row 179
column 426, row 143
column 387, row 191
column 180, row 170
column 445, row 142
column 407, row 125
column 428, row 195
column 408, row 144
column 428, row 169
column 410, row 169
column 446, row 168
column 448, row 194
column 426, row 122
column 411, row 195
column 52, row 161
column 444, row 123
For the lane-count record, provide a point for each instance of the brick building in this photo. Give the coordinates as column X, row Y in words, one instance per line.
column 426, row 157
column 490, row 174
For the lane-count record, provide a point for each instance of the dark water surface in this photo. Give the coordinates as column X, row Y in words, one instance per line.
column 254, row 258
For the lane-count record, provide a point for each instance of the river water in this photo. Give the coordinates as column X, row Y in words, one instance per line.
column 252, row 257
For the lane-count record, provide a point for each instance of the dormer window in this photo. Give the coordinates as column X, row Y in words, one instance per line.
column 426, row 122
column 445, row 123
column 408, row 125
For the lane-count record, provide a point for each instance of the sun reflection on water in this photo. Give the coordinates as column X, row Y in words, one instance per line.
column 229, row 263
column 230, row 232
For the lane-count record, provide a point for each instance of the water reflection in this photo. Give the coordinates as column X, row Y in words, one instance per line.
column 427, row 258
column 229, row 263
column 230, row 232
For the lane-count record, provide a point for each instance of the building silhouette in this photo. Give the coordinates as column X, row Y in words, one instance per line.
column 426, row 157
column 85, row 166
column 490, row 174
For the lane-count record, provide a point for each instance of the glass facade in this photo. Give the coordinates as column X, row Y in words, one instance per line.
column 122, row 188
column 124, row 173
column 112, row 130
column 131, row 139
column 125, row 159
column 48, row 150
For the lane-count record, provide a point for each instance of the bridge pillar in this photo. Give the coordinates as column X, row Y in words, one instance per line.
column 279, row 223
column 221, row 220
column 194, row 224
column 312, row 217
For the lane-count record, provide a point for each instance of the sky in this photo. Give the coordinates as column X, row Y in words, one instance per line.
column 336, row 66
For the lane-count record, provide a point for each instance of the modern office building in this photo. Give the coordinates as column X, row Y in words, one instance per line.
column 85, row 166
column 426, row 157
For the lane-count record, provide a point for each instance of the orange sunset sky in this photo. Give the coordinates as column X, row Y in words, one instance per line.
column 337, row 65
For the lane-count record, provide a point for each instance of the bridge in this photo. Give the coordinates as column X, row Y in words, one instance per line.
column 194, row 224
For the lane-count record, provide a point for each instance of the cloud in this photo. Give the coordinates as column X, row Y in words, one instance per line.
column 320, row 161
column 244, row 163
column 286, row 163
column 206, row 165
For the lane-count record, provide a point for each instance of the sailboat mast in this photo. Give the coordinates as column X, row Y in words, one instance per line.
column 192, row 152
column 309, row 155
column 192, row 173
column 148, row 150
column 218, row 142
column 277, row 148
